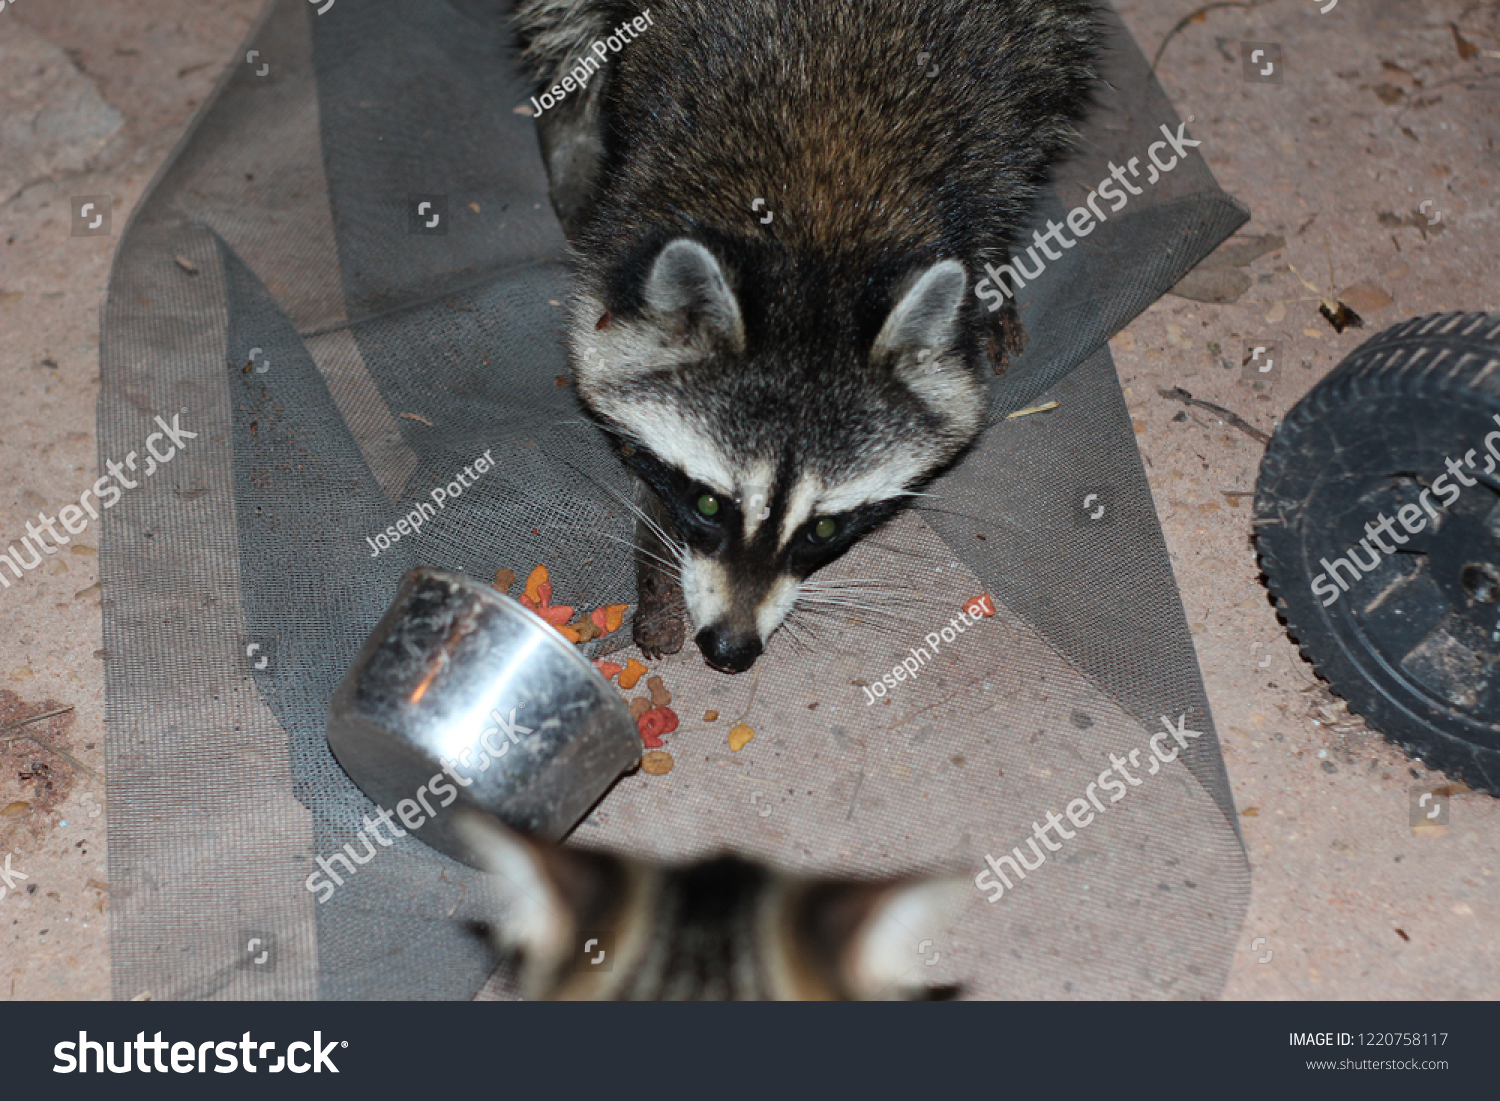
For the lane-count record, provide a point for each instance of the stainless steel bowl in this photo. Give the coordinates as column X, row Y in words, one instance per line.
column 463, row 695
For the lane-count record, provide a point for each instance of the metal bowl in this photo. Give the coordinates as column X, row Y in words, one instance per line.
column 463, row 695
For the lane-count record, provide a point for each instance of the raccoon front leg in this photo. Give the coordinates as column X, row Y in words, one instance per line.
column 557, row 34
column 1007, row 338
column 572, row 150
column 658, row 626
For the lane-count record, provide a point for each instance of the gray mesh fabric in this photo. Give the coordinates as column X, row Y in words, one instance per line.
column 337, row 366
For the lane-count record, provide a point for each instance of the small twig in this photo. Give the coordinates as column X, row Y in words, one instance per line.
column 48, row 746
column 754, row 684
column 65, row 755
column 33, row 719
column 1045, row 407
column 1192, row 15
column 1177, row 393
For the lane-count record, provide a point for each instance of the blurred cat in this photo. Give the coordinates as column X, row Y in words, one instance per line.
column 596, row 926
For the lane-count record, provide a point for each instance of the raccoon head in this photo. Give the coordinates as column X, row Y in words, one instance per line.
column 777, row 423
column 595, row 926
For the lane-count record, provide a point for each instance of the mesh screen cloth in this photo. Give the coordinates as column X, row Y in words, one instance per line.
column 336, row 366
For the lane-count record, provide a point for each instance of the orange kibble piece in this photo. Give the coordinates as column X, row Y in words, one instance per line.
column 739, row 736
column 710, row 716
column 608, row 668
column 534, row 580
column 614, row 615
column 634, row 671
column 557, row 615
column 983, row 605
column 567, row 633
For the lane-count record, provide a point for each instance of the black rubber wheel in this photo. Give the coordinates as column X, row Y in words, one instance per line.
column 1407, row 632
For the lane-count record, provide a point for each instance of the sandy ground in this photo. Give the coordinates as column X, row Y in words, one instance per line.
column 1388, row 114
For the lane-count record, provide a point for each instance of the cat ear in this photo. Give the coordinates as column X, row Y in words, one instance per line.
column 887, row 936
column 543, row 892
column 688, row 292
column 533, row 913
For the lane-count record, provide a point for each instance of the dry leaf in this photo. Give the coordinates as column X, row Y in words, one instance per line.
column 1466, row 49
column 1364, row 297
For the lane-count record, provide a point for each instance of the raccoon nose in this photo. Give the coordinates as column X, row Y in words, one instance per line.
column 727, row 652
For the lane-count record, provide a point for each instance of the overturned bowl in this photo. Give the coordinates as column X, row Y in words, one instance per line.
column 461, row 694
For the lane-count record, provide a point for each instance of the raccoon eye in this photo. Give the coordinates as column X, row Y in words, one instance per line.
column 708, row 505
column 824, row 530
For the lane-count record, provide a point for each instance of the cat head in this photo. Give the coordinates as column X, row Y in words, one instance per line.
column 597, row 926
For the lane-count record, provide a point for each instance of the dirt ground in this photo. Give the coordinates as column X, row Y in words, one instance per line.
column 1375, row 155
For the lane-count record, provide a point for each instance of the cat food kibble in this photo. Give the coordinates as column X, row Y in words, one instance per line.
column 639, row 706
column 659, row 694
column 657, row 763
column 710, row 716
column 739, row 736
column 634, row 671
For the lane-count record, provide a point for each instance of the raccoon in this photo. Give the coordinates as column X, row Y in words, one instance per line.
column 593, row 926
column 778, row 211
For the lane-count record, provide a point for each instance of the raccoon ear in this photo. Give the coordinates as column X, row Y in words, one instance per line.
column 916, row 339
column 924, row 321
column 687, row 286
column 885, row 934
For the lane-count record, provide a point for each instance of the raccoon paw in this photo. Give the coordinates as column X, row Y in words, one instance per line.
column 658, row 627
column 1009, row 339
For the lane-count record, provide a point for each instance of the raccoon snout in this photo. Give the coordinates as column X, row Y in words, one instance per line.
column 726, row 651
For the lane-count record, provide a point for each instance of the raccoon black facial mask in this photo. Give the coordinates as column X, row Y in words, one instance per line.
column 764, row 462
column 782, row 373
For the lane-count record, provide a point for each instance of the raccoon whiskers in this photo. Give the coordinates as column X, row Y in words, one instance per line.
column 836, row 602
column 857, row 588
column 794, row 636
column 876, row 583
column 813, row 613
column 664, row 563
